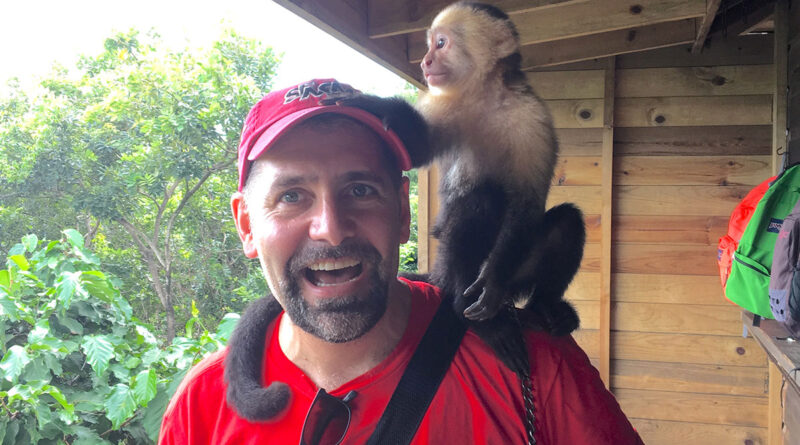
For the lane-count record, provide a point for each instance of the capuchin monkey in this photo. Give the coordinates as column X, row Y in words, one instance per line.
column 495, row 145
column 494, row 142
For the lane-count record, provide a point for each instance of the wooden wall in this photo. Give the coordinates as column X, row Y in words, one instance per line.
column 691, row 136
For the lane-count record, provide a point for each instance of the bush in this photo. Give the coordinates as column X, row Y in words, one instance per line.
column 77, row 367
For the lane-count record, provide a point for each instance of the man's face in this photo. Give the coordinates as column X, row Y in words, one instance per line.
column 325, row 221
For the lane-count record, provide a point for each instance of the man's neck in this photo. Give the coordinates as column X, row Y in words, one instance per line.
column 330, row 365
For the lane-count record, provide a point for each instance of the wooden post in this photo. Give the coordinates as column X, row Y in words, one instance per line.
column 779, row 101
column 427, row 207
column 605, row 221
column 775, row 417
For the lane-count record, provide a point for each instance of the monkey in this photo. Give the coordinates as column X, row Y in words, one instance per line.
column 496, row 148
column 495, row 145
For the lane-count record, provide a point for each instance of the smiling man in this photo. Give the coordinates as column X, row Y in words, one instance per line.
column 324, row 207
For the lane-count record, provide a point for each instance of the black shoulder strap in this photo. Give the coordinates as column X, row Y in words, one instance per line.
column 414, row 392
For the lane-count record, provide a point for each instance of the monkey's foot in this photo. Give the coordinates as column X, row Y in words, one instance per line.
column 489, row 298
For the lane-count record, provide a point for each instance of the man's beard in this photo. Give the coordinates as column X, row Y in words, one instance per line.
column 343, row 318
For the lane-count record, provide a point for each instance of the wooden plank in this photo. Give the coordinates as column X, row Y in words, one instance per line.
column 775, row 413
column 390, row 17
column 595, row 16
column 612, row 43
column 583, row 113
column 676, row 199
column 694, row 111
column 687, row 348
column 700, row 170
column 587, row 340
column 773, row 339
column 703, row 230
column 696, row 81
column 745, row 50
column 347, row 23
column 702, row 32
column 587, row 197
column 654, row 432
column 579, row 141
column 677, row 318
column 589, row 313
column 584, row 287
column 606, row 193
column 694, row 141
column 593, row 228
column 567, row 84
column 791, row 416
column 578, row 170
column 665, row 259
column 426, row 192
column 779, row 98
column 660, row 288
column 689, row 377
column 690, row 407
column 591, row 258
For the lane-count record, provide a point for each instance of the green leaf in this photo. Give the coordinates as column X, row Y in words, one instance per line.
column 39, row 331
column 144, row 388
column 132, row 362
column 70, row 323
column 67, row 285
column 99, row 352
column 15, row 359
column 30, row 242
column 5, row 280
column 190, row 325
column 119, row 405
column 146, row 335
column 195, row 311
column 74, row 237
column 87, row 436
column 226, row 326
column 20, row 261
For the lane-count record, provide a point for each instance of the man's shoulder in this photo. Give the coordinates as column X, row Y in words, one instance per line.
column 206, row 376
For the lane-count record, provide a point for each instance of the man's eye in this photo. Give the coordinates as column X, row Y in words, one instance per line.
column 362, row 190
column 290, row 197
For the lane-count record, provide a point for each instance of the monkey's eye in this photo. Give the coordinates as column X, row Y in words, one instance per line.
column 440, row 42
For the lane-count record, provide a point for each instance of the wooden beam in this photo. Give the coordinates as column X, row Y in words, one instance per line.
column 775, row 415
column 592, row 17
column 780, row 101
column 596, row 16
column 738, row 23
column 347, row 23
column 607, row 167
column 608, row 44
column 392, row 17
column 705, row 25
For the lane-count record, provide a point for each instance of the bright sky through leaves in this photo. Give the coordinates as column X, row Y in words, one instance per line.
column 36, row 33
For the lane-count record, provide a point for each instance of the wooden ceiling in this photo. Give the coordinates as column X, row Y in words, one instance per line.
column 552, row 32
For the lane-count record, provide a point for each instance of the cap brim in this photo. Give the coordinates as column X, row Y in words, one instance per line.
column 278, row 128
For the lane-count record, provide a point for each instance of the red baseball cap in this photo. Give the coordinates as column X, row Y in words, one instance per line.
column 279, row 111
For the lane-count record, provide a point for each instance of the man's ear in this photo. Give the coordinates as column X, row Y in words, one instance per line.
column 405, row 211
column 241, row 217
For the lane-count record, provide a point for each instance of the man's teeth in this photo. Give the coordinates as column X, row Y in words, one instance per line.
column 337, row 264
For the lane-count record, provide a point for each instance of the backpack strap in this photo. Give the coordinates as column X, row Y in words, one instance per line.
column 420, row 381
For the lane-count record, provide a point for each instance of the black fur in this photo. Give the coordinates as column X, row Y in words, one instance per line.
column 243, row 370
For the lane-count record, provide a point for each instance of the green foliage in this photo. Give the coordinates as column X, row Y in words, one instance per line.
column 76, row 366
column 137, row 148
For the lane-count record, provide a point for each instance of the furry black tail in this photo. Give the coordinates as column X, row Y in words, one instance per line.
column 243, row 365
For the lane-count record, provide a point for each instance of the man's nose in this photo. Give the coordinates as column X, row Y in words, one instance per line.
column 331, row 224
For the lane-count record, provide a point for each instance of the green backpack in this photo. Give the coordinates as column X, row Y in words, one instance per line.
column 748, row 283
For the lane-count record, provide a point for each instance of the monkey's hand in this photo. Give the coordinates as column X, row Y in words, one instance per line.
column 489, row 297
column 395, row 114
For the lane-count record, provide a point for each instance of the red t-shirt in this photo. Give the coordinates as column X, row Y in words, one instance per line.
column 478, row 402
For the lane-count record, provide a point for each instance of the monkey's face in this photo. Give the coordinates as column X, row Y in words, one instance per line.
column 446, row 64
column 325, row 221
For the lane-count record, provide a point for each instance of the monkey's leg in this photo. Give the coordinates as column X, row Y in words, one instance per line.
column 519, row 231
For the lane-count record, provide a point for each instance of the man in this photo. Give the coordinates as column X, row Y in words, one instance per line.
column 323, row 206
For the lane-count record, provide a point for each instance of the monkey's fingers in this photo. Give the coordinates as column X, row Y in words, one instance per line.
column 485, row 308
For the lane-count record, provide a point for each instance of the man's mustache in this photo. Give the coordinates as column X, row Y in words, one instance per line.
column 350, row 248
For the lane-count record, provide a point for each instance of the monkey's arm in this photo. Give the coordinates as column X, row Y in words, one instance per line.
column 397, row 115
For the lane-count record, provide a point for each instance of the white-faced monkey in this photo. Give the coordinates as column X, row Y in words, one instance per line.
column 496, row 148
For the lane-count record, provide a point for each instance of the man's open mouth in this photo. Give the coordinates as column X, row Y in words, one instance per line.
column 332, row 272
